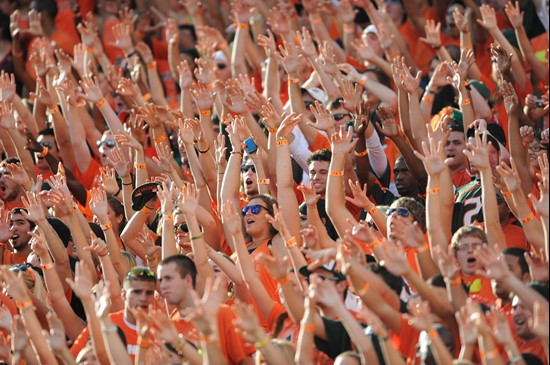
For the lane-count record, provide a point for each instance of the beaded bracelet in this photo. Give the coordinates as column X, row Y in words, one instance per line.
column 272, row 130
column 147, row 96
column 142, row 342
column 23, row 305
column 506, row 194
column 528, row 219
column 54, row 110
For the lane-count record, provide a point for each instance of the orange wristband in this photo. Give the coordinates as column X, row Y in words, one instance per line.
column 506, row 194
column 152, row 66
column 337, row 173
column 284, row 280
column 281, row 142
column 456, row 281
column 243, row 26
column 205, row 113
column 272, row 130
column 528, row 219
column 54, row 110
column 488, row 355
column 433, row 333
column 101, row 103
column 434, row 191
column 363, row 291
column 90, row 49
column 292, row 80
column 373, row 210
column 47, row 266
column 309, row 327
column 372, row 245
column 316, row 20
column 146, row 211
column 143, row 342
column 147, row 96
column 428, row 100
column 169, row 217
column 263, row 181
column 291, row 242
column 23, row 305
column 466, row 102
column 140, row 166
column 161, row 138
column 361, row 154
column 107, row 226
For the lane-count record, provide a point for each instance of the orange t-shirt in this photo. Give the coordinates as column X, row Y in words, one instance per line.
column 320, row 142
column 129, row 330
column 109, row 38
column 515, row 237
column 231, row 344
column 405, row 341
column 90, row 177
column 481, row 286
column 11, row 258
column 461, row 178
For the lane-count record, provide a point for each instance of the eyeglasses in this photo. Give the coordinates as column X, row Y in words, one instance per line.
column 255, row 209
column 245, row 168
column 182, row 226
column 401, row 211
column 339, row 116
column 308, row 103
column 108, row 143
column 221, row 66
column 140, row 273
column 537, row 148
column 46, row 144
column 467, row 247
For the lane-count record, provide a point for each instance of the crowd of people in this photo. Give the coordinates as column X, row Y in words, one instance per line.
column 274, row 182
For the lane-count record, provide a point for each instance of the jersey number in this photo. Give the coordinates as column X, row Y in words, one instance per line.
column 472, row 211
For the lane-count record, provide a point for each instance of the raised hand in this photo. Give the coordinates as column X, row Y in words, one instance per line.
column 389, row 124
column 466, row 327
column 18, row 174
column 14, row 285
column 541, row 204
column 34, row 212
column 288, row 57
column 350, row 94
column 268, row 43
column 7, row 86
column 446, row 261
column 202, row 96
column 395, row 259
column 5, row 233
column 432, row 156
column 271, row 118
column 97, row 245
column 119, row 163
column 310, row 196
column 56, row 336
column 478, row 153
column 145, row 52
column 494, row 265
column 503, row 59
column 7, row 119
column 343, row 142
column 92, row 91
column 165, row 191
column 359, row 196
column 99, row 205
column 511, row 101
column 185, row 75
column 188, row 199
column 409, row 83
column 462, row 20
column 207, row 308
column 235, row 99
column 514, row 14
column 421, row 314
column 287, row 125
column 123, row 41
column 467, row 59
column 433, row 33
column 323, row 118
column 488, row 17
column 231, row 218
column 279, row 22
column 125, row 139
column 538, row 265
column 501, row 330
column 247, row 322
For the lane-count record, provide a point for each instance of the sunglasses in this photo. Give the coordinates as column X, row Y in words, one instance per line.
column 108, row 143
column 308, row 103
column 339, row 116
column 23, row 267
column 182, row 226
column 221, row 66
column 46, row 144
column 402, row 212
column 255, row 209
column 140, row 273
column 537, row 148
column 245, row 168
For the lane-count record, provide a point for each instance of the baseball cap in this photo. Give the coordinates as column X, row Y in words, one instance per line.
column 490, row 137
column 142, row 194
column 324, row 271
column 316, row 94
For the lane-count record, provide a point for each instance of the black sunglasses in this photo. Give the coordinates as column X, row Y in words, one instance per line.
column 221, row 66
column 182, row 226
column 308, row 103
column 108, row 143
column 245, row 168
column 255, row 209
column 339, row 116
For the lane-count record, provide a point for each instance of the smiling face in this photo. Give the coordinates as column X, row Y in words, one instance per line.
column 521, row 315
column 453, row 151
column 318, row 175
column 19, row 228
column 536, row 150
column 465, row 251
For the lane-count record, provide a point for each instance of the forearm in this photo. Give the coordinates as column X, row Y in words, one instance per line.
column 238, row 63
column 113, row 344
column 418, row 124
column 34, row 330
column 112, row 120
column 518, row 72
column 377, row 156
column 272, row 84
column 518, row 152
column 314, row 219
column 539, row 69
column 436, row 235
column 335, row 203
column 169, row 247
column 495, row 235
column 140, row 167
column 157, row 91
column 532, row 227
column 356, row 334
column 200, row 256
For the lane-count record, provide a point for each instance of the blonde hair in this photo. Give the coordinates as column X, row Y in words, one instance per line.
column 34, row 283
column 286, row 348
column 129, row 259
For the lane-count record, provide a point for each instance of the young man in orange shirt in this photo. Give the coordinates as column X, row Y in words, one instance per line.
column 138, row 292
column 177, row 276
